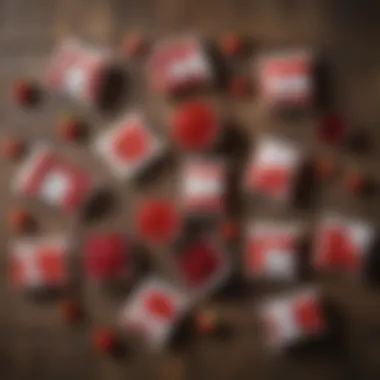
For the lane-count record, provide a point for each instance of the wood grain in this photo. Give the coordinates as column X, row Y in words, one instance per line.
column 34, row 343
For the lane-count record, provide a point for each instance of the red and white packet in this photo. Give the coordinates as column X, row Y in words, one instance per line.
column 129, row 146
column 292, row 319
column 342, row 243
column 271, row 251
column 272, row 168
column 153, row 311
column 77, row 70
column 177, row 64
column 286, row 79
column 202, row 265
column 48, row 177
column 204, row 187
column 39, row 262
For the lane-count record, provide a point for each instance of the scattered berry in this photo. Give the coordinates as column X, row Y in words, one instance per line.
column 70, row 310
column 239, row 87
column 354, row 182
column 12, row 148
column 325, row 167
column 19, row 219
column 69, row 129
column 332, row 129
column 229, row 229
column 205, row 322
column 104, row 340
column 23, row 92
column 133, row 45
column 231, row 44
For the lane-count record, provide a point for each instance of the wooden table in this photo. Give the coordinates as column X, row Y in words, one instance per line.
column 35, row 343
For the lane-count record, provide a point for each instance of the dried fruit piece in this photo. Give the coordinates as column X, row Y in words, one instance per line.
column 12, row 148
column 133, row 44
column 104, row 340
column 231, row 44
column 19, row 219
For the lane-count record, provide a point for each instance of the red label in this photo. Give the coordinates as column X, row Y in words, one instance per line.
column 160, row 305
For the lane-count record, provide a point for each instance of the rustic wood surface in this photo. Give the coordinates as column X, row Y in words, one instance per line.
column 34, row 342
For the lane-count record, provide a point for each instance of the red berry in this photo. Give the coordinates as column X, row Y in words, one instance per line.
column 238, row 87
column 69, row 130
column 19, row 219
column 229, row 229
column 133, row 44
column 325, row 168
column 22, row 91
column 157, row 220
column 70, row 310
column 354, row 182
column 231, row 44
column 205, row 322
column 11, row 148
column 332, row 129
column 195, row 126
column 104, row 340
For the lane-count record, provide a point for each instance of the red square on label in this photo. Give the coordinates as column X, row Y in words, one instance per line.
column 308, row 315
column 129, row 145
column 177, row 64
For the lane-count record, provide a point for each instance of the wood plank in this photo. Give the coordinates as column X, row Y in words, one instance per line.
column 35, row 342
